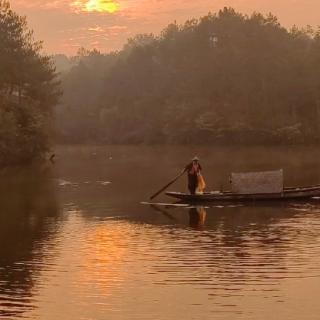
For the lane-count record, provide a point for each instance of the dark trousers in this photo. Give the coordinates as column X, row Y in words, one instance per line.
column 192, row 183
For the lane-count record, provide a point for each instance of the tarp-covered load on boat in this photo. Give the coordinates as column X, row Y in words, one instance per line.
column 257, row 182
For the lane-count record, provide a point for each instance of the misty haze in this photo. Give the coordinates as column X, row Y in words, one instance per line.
column 159, row 160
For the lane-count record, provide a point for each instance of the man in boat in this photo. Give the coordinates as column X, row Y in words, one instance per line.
column 194, row 170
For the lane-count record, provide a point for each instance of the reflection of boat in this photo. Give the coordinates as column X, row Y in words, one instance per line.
column 299, row 193
column 197, row 217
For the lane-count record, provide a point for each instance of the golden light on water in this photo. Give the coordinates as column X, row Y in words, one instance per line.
column 102, row 6
column 102, row 256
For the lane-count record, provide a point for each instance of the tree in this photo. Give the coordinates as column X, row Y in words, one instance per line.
column 28, row 91
column 223, row 78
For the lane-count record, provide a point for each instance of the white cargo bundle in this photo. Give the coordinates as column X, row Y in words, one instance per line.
column 257, row 182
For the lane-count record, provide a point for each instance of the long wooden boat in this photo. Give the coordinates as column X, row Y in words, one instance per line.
column 299, row 193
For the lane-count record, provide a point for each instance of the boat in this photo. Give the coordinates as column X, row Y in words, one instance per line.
column 290, row 193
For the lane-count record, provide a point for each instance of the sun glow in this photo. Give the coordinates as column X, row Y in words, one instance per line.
column 102, row 6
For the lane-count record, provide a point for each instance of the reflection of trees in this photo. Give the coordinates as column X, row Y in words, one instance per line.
column 240, row 246
column 252, row 240
column 27, row 207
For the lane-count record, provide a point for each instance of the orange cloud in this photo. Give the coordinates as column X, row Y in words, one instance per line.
column 41, row 4
column 67, row 24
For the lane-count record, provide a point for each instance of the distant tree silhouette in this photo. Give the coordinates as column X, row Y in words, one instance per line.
column 223, row 78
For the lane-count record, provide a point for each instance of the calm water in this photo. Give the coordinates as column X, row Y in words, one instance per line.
column 76, row 244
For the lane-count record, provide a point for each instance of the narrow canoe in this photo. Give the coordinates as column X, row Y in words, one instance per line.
column 299, row 193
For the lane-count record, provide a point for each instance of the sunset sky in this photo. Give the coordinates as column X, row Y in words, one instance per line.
column 66, row 25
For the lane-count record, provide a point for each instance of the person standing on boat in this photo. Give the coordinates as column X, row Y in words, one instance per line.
column 193, row 170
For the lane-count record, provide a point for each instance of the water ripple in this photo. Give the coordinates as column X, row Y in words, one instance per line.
column 112, row 263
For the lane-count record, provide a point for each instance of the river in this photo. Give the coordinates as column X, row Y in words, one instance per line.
column 77, row 244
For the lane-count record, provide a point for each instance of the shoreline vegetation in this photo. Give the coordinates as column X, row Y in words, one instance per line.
column 225, row 78
column 29, row 90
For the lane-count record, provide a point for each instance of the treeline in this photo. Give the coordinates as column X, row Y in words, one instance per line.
column 223, row 78
column 28, row 91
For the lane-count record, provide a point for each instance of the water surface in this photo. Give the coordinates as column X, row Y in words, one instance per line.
column 77, row 244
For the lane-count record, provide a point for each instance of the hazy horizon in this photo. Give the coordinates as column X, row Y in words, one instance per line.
column 67, row 25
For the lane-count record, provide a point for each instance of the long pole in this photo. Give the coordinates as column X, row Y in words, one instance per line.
column 168, row 185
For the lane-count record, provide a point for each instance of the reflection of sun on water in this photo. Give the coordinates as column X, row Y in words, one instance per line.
column 102, row 6
column 103, row 255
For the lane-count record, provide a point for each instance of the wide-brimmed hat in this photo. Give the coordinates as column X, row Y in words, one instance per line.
column 195, row 159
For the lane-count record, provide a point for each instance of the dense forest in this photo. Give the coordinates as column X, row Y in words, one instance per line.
column 223, row 78
column 28, row 91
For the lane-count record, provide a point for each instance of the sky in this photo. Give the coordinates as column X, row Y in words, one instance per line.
column 67, row 25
